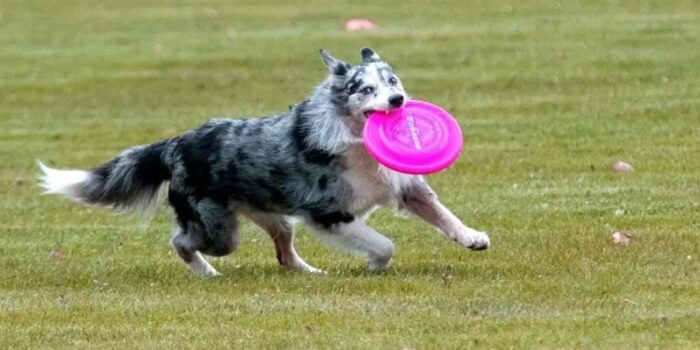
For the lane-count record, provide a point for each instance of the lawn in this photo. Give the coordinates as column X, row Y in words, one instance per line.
column 549, row 95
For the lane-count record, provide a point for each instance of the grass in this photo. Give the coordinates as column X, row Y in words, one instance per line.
column 549, row 95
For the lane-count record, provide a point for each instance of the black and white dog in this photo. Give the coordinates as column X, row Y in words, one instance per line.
column 308, row 163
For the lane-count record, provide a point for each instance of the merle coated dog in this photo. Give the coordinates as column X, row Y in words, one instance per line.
column 308, row 163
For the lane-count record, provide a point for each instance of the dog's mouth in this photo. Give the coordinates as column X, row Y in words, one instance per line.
column 369, row 112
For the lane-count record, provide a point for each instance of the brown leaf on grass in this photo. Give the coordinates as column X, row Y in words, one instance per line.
column 446, row 278
column 56, row 255
column 622, row 238
column 622, row 167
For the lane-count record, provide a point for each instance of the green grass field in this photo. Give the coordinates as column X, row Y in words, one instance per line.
column 549, row 94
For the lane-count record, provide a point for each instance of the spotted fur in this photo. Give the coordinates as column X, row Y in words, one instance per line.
column 307, row 163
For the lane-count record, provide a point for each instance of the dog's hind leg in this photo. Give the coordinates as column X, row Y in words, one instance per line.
column 220, row 227
column 183, row 245
column 205, row 226
column 281, row 231
column 355, row 235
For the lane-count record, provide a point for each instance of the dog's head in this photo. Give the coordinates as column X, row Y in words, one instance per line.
column 360, row 89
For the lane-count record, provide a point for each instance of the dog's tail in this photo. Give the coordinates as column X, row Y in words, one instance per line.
column 129, row 181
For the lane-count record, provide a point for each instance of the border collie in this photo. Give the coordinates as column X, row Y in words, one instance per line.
column 307, row 163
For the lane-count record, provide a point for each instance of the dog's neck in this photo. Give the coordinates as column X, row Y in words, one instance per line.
column 327, row 125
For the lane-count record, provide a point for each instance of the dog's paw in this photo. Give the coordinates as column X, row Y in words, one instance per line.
column 481, row 242
column 312, row 270
column 316, row 271
column 474, row 240
column 378, row 264
column 214, row 274
column 210, row 274
column 297, row 264
column 206, row 272
column 380, row 257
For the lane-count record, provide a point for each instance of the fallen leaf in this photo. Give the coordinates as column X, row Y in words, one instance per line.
column 446, row 278
column 56, row 255
column 622, row 167
column 356, row 24
column 622, row 238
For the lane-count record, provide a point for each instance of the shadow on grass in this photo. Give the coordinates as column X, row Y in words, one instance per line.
column 176, row 274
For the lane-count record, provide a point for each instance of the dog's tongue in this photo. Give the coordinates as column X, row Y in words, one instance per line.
column 419, row 138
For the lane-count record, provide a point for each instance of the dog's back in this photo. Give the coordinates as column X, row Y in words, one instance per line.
column 265, row 164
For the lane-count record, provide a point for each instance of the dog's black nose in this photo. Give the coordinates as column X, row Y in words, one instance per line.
column 396, row 100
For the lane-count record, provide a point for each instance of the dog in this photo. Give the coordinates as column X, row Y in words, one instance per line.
column 308, row 163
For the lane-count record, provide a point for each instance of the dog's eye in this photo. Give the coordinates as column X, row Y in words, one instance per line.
column 393, row 81
column 367, row 90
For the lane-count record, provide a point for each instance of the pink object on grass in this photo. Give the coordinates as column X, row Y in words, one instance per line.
column 359, row 24
column 419, row 138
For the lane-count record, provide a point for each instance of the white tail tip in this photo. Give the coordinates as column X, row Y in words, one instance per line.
column 63, row 182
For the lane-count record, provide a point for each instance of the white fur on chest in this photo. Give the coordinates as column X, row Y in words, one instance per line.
column 373, row 184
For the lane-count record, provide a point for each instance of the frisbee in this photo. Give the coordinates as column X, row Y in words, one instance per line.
column 418, row 138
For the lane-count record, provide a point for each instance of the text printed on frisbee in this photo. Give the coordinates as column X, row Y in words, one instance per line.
column 414, row 132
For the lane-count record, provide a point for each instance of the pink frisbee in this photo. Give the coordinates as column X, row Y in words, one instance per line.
column 419, row 138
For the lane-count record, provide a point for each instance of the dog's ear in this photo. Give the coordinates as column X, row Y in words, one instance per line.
column 369, row 56
column 335, row 66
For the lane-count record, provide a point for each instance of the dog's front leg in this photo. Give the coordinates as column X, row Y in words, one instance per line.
column 420, row 200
